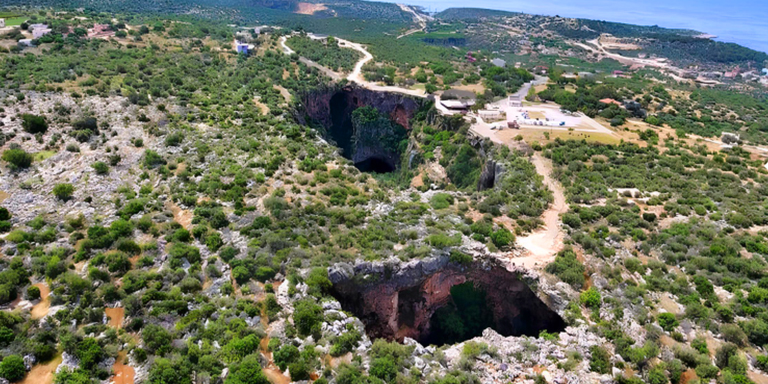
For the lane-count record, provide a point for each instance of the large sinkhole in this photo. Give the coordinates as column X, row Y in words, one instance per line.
column 448, row 306
column 368, row 127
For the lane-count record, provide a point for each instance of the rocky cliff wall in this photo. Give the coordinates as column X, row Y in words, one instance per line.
column 397, row 300
column 332, row 108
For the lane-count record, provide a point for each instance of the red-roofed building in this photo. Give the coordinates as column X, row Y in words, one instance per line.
column 610, row 101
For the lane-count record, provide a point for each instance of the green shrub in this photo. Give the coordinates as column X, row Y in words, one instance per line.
column 307, row 317
column 63, row 191
column 568, row 268
column 33, row 293
column 591, row 298
column 318, row 282
column 383, row 368
column 152, row 159
column 667, row 321
column 441, row 201
column 286, row 355
column 502, row 237
column 600, row 361
column 100, row 167
column 460, row 257
column 5, row 214
column 346, row 342
column 33, row 123
column 12, row 368
column 18, row 158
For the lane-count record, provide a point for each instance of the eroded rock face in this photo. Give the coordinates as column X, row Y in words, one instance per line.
column 398, row 301
column 490, row 176
column 333, row 109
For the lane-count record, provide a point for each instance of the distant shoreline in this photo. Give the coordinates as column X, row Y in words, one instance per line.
column 740, row 25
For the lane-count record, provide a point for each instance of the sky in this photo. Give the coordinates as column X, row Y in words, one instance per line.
column 739, row 21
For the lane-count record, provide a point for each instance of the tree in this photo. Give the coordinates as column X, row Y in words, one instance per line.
column 33, row 293
column 12, row 368
column 318, row 281
column 165, row 371
column 384, row 368
column 89, row 352
column 502, row 237
column 667, row 321
column 63, row 191
column 247, row 372
column 33, row 123
column 156, row 338
column 286, row 355
column 307, row 317
column 600, row 361
column 18, row 158
column 591, row 298
column 568, row 268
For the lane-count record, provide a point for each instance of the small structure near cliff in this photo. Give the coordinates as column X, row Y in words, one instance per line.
column 396, row 301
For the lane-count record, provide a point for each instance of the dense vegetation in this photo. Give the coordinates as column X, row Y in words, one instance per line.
column 325, row 52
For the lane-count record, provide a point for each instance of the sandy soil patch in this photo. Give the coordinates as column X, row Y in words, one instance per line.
column 757, row 377
column 4, row 195
column 263, row 107
column 477, row 88
column 309, row 8
column 181, row 216
column 688, row 375
column 41, row 309
column 668, row 304
column 543, row 244
column 115, row 316
column 417, row 181
column 286, row 95
column 531, row 135
column 124, row 374
column 42, row 373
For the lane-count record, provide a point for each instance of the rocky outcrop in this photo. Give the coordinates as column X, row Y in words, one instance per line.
column 490, row 176
column 397, row 300
column 400, row 108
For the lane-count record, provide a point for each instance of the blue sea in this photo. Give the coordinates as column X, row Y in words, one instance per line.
column 738, row 21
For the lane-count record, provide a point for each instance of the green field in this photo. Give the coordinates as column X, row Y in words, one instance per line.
column 12, row 19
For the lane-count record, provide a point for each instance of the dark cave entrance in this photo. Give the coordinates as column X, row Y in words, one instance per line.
column 341, row 123
column 466, row 316
column 374, row 158
column 449, row 306
column 375, row 165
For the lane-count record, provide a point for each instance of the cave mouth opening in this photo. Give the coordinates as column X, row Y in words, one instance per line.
column 341, row 130
column 449, row 306
column 342, row 133
column 375, row 165
column 465, row 316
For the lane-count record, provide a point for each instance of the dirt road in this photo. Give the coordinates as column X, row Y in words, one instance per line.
column 420, row 19
column 543, row 244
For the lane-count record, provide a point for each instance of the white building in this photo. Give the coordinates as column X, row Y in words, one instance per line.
column 32, row 27
column 489, row 114
column 2, row 23
column 40, row 32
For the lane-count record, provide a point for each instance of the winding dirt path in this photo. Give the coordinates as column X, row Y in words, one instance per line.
column 543, row 245
column 40, row 309
column 418, row 18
